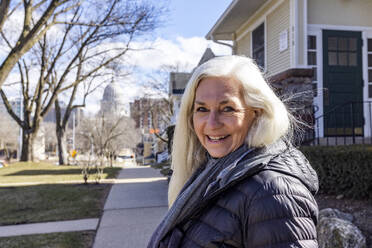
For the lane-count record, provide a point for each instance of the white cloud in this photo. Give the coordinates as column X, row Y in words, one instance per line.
column 186, row 51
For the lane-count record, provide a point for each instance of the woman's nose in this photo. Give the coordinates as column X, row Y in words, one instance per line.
column 213, row 120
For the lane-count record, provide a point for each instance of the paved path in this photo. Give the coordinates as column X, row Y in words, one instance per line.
column 135, row 206
column 49, row 227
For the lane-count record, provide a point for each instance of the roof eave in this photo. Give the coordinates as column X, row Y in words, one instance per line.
column 238, row 12
column 211, row 36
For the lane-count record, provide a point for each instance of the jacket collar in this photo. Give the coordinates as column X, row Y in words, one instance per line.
column 257, row 159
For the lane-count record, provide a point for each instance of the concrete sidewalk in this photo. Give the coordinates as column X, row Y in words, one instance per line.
column 135, row 206
column 49, row 227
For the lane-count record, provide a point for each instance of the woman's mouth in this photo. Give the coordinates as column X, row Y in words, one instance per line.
column 216, row 139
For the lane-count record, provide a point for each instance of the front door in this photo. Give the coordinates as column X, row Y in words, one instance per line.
column 343, row 85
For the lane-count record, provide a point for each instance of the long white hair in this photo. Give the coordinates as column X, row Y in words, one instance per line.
column 272, row 123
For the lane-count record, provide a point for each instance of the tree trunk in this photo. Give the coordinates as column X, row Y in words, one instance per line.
column 27, row 153
column 61, row 145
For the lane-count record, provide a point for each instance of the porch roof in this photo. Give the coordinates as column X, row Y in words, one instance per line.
column 234, row 16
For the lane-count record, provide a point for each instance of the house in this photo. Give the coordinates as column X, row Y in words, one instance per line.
column 310, row 44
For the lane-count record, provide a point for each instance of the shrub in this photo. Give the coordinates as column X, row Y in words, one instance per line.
column 343, row 170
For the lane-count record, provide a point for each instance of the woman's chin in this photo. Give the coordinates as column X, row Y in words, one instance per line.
column 218, row 153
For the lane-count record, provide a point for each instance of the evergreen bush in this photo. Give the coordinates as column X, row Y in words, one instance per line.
column 345, row 170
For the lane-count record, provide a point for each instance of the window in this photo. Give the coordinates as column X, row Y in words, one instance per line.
column 342, row 51
column 258, row 45
column 369, row 47
column 311, row 60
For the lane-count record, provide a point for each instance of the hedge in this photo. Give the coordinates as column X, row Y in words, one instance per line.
column 345, row 170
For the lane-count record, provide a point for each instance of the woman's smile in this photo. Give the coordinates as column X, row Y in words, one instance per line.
column 217, row 140
column 221, row 118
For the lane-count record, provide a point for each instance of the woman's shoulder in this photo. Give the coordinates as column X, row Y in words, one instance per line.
column 288, row 174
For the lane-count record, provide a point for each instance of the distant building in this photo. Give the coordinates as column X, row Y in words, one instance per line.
column 51, row 115
column 15, row 103
column 152, row 116
column 113, row 100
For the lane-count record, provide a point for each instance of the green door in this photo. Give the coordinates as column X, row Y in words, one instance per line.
column 342, row 82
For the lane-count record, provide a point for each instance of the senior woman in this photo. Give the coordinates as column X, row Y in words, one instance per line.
column 237, row 181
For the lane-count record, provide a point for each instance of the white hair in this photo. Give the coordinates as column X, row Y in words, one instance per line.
column 272, row 123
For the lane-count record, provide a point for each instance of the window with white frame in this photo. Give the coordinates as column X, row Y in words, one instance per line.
column 258, row 45
column 369, row 47
column 311, row 59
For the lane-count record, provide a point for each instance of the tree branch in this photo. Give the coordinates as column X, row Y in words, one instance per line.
column 10, row 109
column 4, row 7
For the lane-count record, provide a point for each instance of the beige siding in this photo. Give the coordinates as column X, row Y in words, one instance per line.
column 301, row 33
column 340, row 12
column 243, row 46
column 277, row 22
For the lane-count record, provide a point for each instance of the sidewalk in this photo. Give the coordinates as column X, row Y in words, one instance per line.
column 49, row 227
column 135, row 206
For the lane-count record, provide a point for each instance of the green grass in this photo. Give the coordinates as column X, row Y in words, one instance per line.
column 42, row 172
column 52, row 240
column 53, row 201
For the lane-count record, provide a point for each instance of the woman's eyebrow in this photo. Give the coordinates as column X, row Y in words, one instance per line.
column 203, row 103
column 199, row 102
column 224, row 102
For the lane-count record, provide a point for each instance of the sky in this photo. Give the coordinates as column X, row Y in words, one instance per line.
column 189, row 18
column 180, row 40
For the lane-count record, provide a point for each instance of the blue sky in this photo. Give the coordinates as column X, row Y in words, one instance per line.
column 190, row 18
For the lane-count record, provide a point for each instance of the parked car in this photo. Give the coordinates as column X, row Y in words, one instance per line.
column 125, row 158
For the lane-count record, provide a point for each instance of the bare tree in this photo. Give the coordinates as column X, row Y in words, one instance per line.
column 69, row 62
column 38, row 18
column 107, row 134
column 130, row 21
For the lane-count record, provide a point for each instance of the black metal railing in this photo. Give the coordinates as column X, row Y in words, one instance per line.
column 344, row 124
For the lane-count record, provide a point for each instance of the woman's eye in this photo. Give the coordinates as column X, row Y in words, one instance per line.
column 228, row 109
column 201, row 109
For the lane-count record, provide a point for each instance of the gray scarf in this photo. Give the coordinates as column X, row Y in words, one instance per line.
column 195, row 189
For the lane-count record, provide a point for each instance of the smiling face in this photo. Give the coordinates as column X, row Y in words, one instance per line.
column 221, row 119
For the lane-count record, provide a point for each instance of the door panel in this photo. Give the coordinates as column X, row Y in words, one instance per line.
column 342, row 80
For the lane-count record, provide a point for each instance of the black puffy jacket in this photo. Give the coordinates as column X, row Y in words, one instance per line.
column 267, row 202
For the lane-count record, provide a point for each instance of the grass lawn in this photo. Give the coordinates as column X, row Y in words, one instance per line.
column 52, row 240
column 52, row 201
column 43, row 172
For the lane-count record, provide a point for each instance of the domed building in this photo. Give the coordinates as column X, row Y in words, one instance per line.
column 113, row 100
